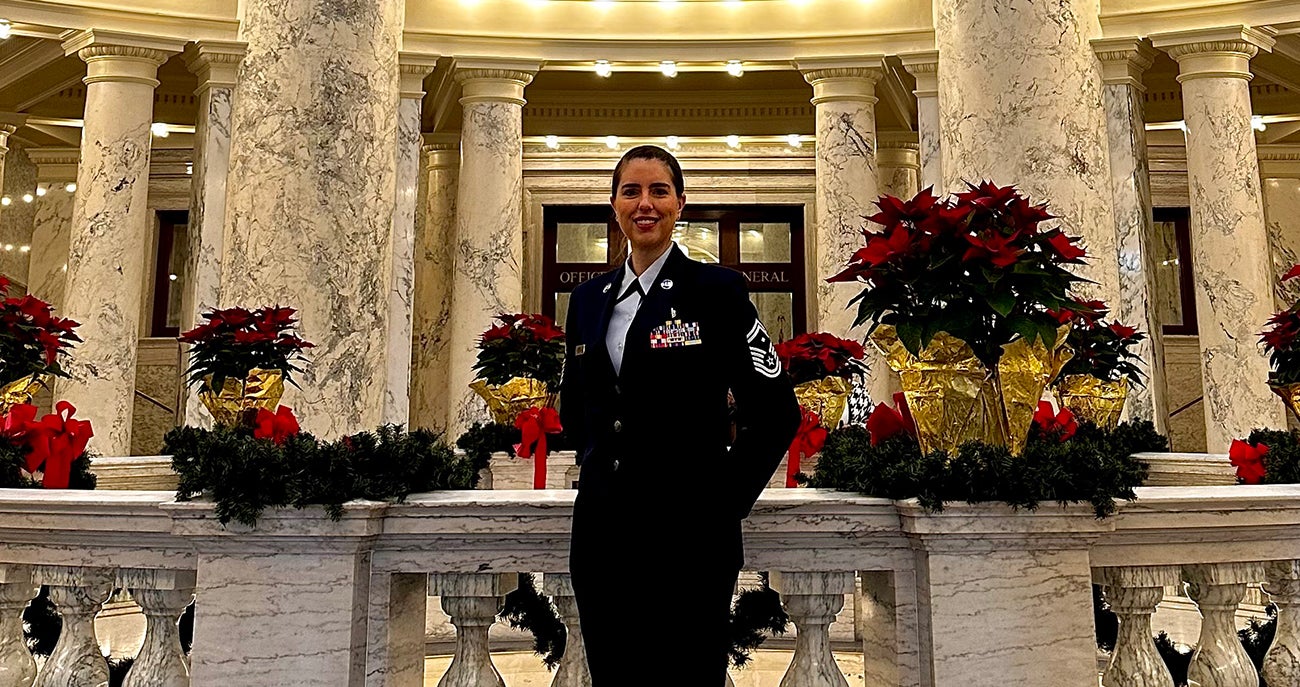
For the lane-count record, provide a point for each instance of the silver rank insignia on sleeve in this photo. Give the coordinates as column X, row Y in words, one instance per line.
column 761, row 351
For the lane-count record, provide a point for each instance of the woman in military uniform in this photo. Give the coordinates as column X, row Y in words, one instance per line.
column 653, row 349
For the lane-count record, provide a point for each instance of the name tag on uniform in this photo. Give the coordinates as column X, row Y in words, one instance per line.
column 674, row 334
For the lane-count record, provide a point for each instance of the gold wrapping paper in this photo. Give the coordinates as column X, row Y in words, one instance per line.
column 1095, row 400
column 19, row 391
column 827, row 397
column 955, row 399
column 239, row 399
column 1290, row 394
column 507, row 401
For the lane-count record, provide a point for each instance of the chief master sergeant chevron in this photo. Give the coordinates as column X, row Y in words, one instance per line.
column 653, row 349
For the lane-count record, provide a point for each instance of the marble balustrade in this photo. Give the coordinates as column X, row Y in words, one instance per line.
column 303, row 600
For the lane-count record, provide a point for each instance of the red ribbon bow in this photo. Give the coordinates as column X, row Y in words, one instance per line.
column 535, row 424
column 1049, row 421
column 53, row 442
column 1249, row 460
column 276, row 426
column 808, row 441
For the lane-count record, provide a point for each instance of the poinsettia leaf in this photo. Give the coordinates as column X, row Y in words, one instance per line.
column 1002, row 302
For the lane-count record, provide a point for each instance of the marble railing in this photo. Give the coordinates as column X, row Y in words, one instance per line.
column 976, row 595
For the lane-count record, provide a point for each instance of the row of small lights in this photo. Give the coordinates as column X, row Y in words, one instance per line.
column 668, row 68
column 675, row 142
column 40, row 191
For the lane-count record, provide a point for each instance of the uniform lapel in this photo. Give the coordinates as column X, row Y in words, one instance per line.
column 654, row 309
column 606, row 310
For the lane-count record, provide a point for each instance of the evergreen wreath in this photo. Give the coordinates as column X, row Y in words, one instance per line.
column 756, row 614
column 244, row 474
column 1094, row 465
column 528, row 609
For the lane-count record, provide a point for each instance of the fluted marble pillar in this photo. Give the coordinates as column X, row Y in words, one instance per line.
column 47, row 271
column 1280, row 172
column 1234, row 282
column 216, row 64
column 110, row 221
column 487, row 280
column 924, row 66
column 311, row 194
column 430, row 359
column 1123, row 60
column 397, row 392
column 1027, row 110
column 844, row 95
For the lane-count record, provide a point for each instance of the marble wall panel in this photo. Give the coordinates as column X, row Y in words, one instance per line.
column 158, row 385
column 311, row 193
column 1183, row 389
column 432, row 301
column 1282, row 215
column 17, row 219
column 1027, row 109
column 51, row 228
column 489, row 244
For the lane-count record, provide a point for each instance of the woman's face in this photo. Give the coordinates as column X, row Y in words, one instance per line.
column 647, row 205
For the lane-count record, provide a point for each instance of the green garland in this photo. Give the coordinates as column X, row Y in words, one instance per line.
column 1282, row 462
column 13, row 460
column 528, row 609
column 245, row 475
column 1095, row 466
column 756, row 614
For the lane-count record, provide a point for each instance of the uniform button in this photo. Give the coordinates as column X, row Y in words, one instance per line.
column 618, row 425
column 615, row 465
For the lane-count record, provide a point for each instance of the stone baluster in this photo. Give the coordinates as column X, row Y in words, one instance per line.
column 1217, row 589
column 78, row 593
column 1133, row 594
column 1282, row 665
column 573, row 670
column 17, row 669
column 163, row 596
column 472, row 601
column 812, row 599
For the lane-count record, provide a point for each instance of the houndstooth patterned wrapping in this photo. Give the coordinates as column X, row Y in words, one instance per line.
column 859, row 405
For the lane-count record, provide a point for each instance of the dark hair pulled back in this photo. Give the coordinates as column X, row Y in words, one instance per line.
column 649, row 152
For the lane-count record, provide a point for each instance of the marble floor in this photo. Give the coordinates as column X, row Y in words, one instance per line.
column 524, row 669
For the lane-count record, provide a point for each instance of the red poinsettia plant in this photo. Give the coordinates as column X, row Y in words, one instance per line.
column 522, row 345
column 1279, row 341
column 235, row 340
column 1102, row 350
column 31, row 337
column 979, row 265
column 817, row 355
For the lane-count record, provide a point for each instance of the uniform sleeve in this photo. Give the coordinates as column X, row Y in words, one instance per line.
column 572, row 412
column 767, row 414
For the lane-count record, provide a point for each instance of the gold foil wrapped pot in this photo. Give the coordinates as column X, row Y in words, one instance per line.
column 19, row 391
column 1095, row 400
column 955, row 399
column 239, row 399
column 507, row 401
column 827, row 397
column 1290, row 394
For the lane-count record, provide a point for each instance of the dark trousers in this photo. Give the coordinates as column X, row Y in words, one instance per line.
column 656, row 626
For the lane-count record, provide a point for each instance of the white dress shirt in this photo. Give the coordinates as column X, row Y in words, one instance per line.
column 629, row 302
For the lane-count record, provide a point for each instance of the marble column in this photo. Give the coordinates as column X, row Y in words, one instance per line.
column 844, row 95
column 1234, row 282
column 487, row 279
column 1027, row 110
column 6, row 130
column 924, row 66
column 47, row 269
column 110, row 220
column 430, row 359
column 216, row 64
column 311, row 193
column 397, row 391
column 1123, row 60
column 1279, row 168
column 898, row 165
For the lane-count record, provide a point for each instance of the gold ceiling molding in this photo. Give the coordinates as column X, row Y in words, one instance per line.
column 169, row 18
column 1138, row 18
column 745, row 111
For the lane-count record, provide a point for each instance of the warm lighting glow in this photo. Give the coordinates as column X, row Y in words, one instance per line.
column 733, row 141
column 24, row 249
column 1182, row 126
column 669, row 68
column 603, row 68
column 735, row 68
column 40, row 191
column 27, row 197
column 189, row 168
column 172, row 277
column 71, row 187
column 9, row 246
column 6, row 200
column 5, row 29
column 1257, row 123
column 611, row 142
column 672, row 142
column 552, row 142
column 160, row 130
column 794, row 140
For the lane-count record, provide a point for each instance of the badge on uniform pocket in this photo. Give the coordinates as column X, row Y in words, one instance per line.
column 675, row 334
